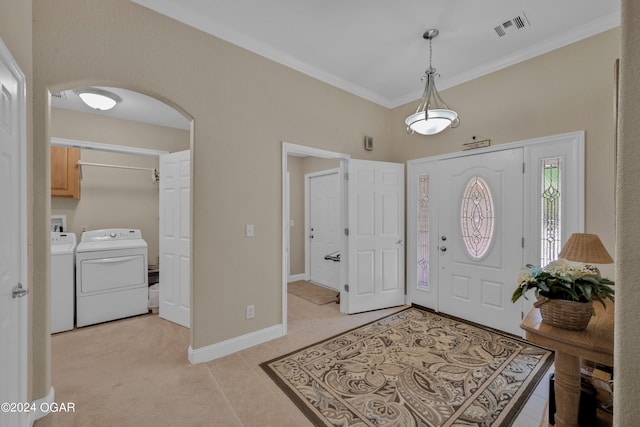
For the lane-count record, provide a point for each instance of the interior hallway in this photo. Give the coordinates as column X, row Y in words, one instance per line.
column 135, row 372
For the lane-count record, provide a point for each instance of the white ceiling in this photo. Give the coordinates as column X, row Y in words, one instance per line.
column 374, row 48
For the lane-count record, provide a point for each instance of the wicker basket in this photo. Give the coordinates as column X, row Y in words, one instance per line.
column 564, row 314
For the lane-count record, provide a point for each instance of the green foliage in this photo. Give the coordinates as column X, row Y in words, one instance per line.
column 564, row 280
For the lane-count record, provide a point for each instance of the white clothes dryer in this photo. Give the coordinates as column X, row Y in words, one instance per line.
column 63, row 252
column 111, row 276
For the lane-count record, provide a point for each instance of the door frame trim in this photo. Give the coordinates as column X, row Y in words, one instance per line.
column 577, row 222
column 289, row 149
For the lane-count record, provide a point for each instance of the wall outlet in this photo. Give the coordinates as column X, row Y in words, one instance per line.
column 84, row 228
column 249, row 230
column 250, row 311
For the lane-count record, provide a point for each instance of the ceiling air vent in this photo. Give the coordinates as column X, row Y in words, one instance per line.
column 514, row 24
column 59, row 95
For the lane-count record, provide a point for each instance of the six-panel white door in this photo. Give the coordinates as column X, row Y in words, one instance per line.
column 175, row 238
column 324, row 228
column 13, row 327
column 376, row 235
column 480, row 232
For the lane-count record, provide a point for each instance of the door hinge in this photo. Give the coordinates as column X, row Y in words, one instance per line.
column 522, row 167
column 346, row 176
column 523, row 242
column 521, row 315
column 346, row 288
column 346, row 231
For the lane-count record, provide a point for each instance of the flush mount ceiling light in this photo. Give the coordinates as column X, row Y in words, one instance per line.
column 432, row 115
column 98, row 99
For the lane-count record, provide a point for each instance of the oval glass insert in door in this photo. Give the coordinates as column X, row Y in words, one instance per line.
column 477, row 218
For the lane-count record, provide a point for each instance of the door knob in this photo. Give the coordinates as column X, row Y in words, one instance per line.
column 443, row 248
column 18, row 291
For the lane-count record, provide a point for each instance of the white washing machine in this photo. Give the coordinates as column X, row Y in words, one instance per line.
column 111, row 275
column 63, row 252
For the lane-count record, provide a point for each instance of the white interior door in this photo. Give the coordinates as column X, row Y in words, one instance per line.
column 376, row 235
column 13, row 327
column 480, row 237
column 175, row 238
column 324, row 227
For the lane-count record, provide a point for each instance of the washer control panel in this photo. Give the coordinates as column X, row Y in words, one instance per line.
column 58, row 238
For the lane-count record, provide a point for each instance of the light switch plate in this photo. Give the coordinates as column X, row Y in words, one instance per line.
column 249, row 230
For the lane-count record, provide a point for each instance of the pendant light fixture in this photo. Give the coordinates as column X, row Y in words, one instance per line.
column 432, row 115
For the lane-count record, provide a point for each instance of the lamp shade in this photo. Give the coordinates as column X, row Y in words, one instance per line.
column 587, row 248
column 431, row 122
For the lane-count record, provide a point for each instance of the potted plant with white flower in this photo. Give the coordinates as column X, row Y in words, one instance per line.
column 565, row 291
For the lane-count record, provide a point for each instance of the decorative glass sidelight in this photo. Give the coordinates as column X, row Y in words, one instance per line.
column 423, row 232
column 551, row 213
column 477, row 217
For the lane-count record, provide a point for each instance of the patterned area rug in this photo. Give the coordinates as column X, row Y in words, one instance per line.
column 412, row 368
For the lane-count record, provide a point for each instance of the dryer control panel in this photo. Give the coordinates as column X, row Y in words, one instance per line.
column 111, row 234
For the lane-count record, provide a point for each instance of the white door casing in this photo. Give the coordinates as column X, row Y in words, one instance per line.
column 13, row 258
column 375, row 235
column 477, row 284
column 323, row 230
column 175, row 237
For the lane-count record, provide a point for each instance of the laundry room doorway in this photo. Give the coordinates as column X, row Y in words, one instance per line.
column 115, row 155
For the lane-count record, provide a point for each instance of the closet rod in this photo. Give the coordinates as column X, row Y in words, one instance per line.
column 103, row 165
column 155, row 175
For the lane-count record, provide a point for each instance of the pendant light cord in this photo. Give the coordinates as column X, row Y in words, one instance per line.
column 430, row 53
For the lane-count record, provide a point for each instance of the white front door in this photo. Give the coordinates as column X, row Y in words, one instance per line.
column 376, row 235
column 324, row 228
column 13, row 327
column 480, row 237
column 175, row 237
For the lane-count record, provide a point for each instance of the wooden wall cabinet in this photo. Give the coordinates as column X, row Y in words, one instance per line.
column 65, row 176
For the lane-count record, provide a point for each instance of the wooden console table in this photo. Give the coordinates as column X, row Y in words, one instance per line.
column 594, row 343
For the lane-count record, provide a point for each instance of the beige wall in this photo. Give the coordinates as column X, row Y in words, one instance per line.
column 296, row 212
column 627, row 344
column 117, row 43
column 567, row 90
column 115, row 198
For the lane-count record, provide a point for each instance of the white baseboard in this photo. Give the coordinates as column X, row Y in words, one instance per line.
column 296, row 277
column 42, row 407
column 224, row 348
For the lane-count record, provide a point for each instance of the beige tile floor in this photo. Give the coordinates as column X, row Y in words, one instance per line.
column 135, row 372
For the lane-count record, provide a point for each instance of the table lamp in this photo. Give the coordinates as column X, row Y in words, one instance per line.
column 586, row 248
